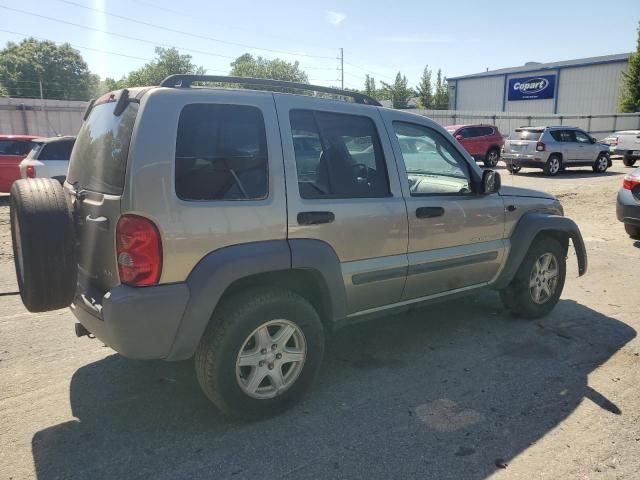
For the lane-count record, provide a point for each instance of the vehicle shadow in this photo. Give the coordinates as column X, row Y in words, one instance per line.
column 575, row 172
column 450, row 391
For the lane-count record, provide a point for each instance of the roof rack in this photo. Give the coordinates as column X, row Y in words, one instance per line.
column 185, row 81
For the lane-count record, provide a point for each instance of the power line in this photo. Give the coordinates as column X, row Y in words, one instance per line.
column 233, row 27
column 189, row 34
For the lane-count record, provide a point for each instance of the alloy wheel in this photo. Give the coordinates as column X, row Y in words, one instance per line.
column 543, row 280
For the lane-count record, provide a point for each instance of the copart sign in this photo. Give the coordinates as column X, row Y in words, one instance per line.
column 532, row 88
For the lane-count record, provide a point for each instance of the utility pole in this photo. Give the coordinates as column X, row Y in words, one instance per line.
column 342, row 67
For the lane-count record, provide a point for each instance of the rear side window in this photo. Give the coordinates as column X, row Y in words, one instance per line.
column 221, row 153
column 337, row 155
column 59, row 150
column 526, row 135
column 487, row 130
column 99, row 159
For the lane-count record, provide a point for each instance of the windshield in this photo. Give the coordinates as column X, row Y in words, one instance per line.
column 99, row 158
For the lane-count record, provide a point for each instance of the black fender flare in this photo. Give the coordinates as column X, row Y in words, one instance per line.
column 529, row 226
column 215, row 272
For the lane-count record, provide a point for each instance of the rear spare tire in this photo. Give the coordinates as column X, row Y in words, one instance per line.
column 43, row 238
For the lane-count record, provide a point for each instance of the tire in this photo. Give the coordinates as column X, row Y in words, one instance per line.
column 519, row 295
column 553, row 166
column 43, row 238
column 628, row 161
column 601, row 164
column 238, row 322
column 491, row 158
column 632, row 230
column 513, row 168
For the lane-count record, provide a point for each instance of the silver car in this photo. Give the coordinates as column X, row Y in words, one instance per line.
column 553, row 149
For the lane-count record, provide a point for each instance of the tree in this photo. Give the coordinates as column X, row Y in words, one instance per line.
column 630, row 99
column 425, row 89
column 61, row 69
column 169, row 61
column 369, row 86
column 441, row 95
column 399, row 92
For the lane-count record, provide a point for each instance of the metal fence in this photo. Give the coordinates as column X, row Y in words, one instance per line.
column 597, row 125
column 29, row 116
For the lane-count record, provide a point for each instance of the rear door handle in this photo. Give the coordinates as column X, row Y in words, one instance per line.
column 429, row 212
column 315, row 218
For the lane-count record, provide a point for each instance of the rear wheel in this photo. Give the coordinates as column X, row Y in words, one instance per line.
column 539, row 281
column 43, row 238
column 628, row 161
column 260, row 353
column 601, row 164
column 632, row 230
column 553, row 166
column 491, row 158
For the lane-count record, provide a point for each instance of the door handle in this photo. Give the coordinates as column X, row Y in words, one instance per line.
column 315, row 218
column 429, row 212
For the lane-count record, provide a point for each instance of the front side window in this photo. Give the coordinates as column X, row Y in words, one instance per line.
column 337, row 155
column 582, row 137
column 14, row 147
column 221, row 153
column 436, row 168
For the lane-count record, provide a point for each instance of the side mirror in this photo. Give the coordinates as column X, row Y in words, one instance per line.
column 491, row 182
column 459, row 138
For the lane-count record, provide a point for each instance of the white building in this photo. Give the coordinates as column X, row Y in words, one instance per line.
column 584, row 86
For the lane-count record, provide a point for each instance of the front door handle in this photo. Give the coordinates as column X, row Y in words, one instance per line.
column 315, row 218
column 429, row 212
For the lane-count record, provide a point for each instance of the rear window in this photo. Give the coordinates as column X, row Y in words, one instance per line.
column 58, row 150
column 221, row 153
column 99, row 159
column 526, row 135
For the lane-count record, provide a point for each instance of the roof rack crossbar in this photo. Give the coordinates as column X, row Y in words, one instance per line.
column 185, row 81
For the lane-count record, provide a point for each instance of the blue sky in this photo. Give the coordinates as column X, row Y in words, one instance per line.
column 380, row 38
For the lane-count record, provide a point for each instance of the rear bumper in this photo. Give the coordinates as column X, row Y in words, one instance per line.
column 523, row 160
column 628, row 208
column 137, row 322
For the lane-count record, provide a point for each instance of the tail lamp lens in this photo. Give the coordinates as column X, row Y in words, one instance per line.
column 31, row 171
column 540, row 147
column 139, row 251
column 630, row 182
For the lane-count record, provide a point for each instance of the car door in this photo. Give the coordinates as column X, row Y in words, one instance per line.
column 455, row 234
column 587, row 151
column 567, row 145
column 344, row 190
column 471, row 140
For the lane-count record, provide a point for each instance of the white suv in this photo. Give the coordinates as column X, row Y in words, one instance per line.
column 48, row 159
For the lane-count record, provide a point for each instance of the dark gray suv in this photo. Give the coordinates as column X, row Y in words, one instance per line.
column 239, row 226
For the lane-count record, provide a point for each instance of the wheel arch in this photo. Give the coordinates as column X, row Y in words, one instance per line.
column 531, row 227
column 309, row 267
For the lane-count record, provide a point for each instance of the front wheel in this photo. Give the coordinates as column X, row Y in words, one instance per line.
column 260, row 353
column 601, row 164
column 491, row 158
column 628, row 161
column 539, row 281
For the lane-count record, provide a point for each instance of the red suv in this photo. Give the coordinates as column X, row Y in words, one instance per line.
column 13, row 148
column 483, row 142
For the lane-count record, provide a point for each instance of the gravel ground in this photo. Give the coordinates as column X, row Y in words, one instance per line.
column 456, row 391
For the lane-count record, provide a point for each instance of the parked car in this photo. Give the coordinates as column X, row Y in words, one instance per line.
column 49, row 158
column 483, row 142
column 627, row 144
column 13, row 148
column 628, row 205
column 612, row 142
column 236, row 226
column 554, row 149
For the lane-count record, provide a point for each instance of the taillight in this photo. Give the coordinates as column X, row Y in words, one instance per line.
column 139, row 251
column 540, row 147
column 630, row 182
column 31, row 171
column 614, row 141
